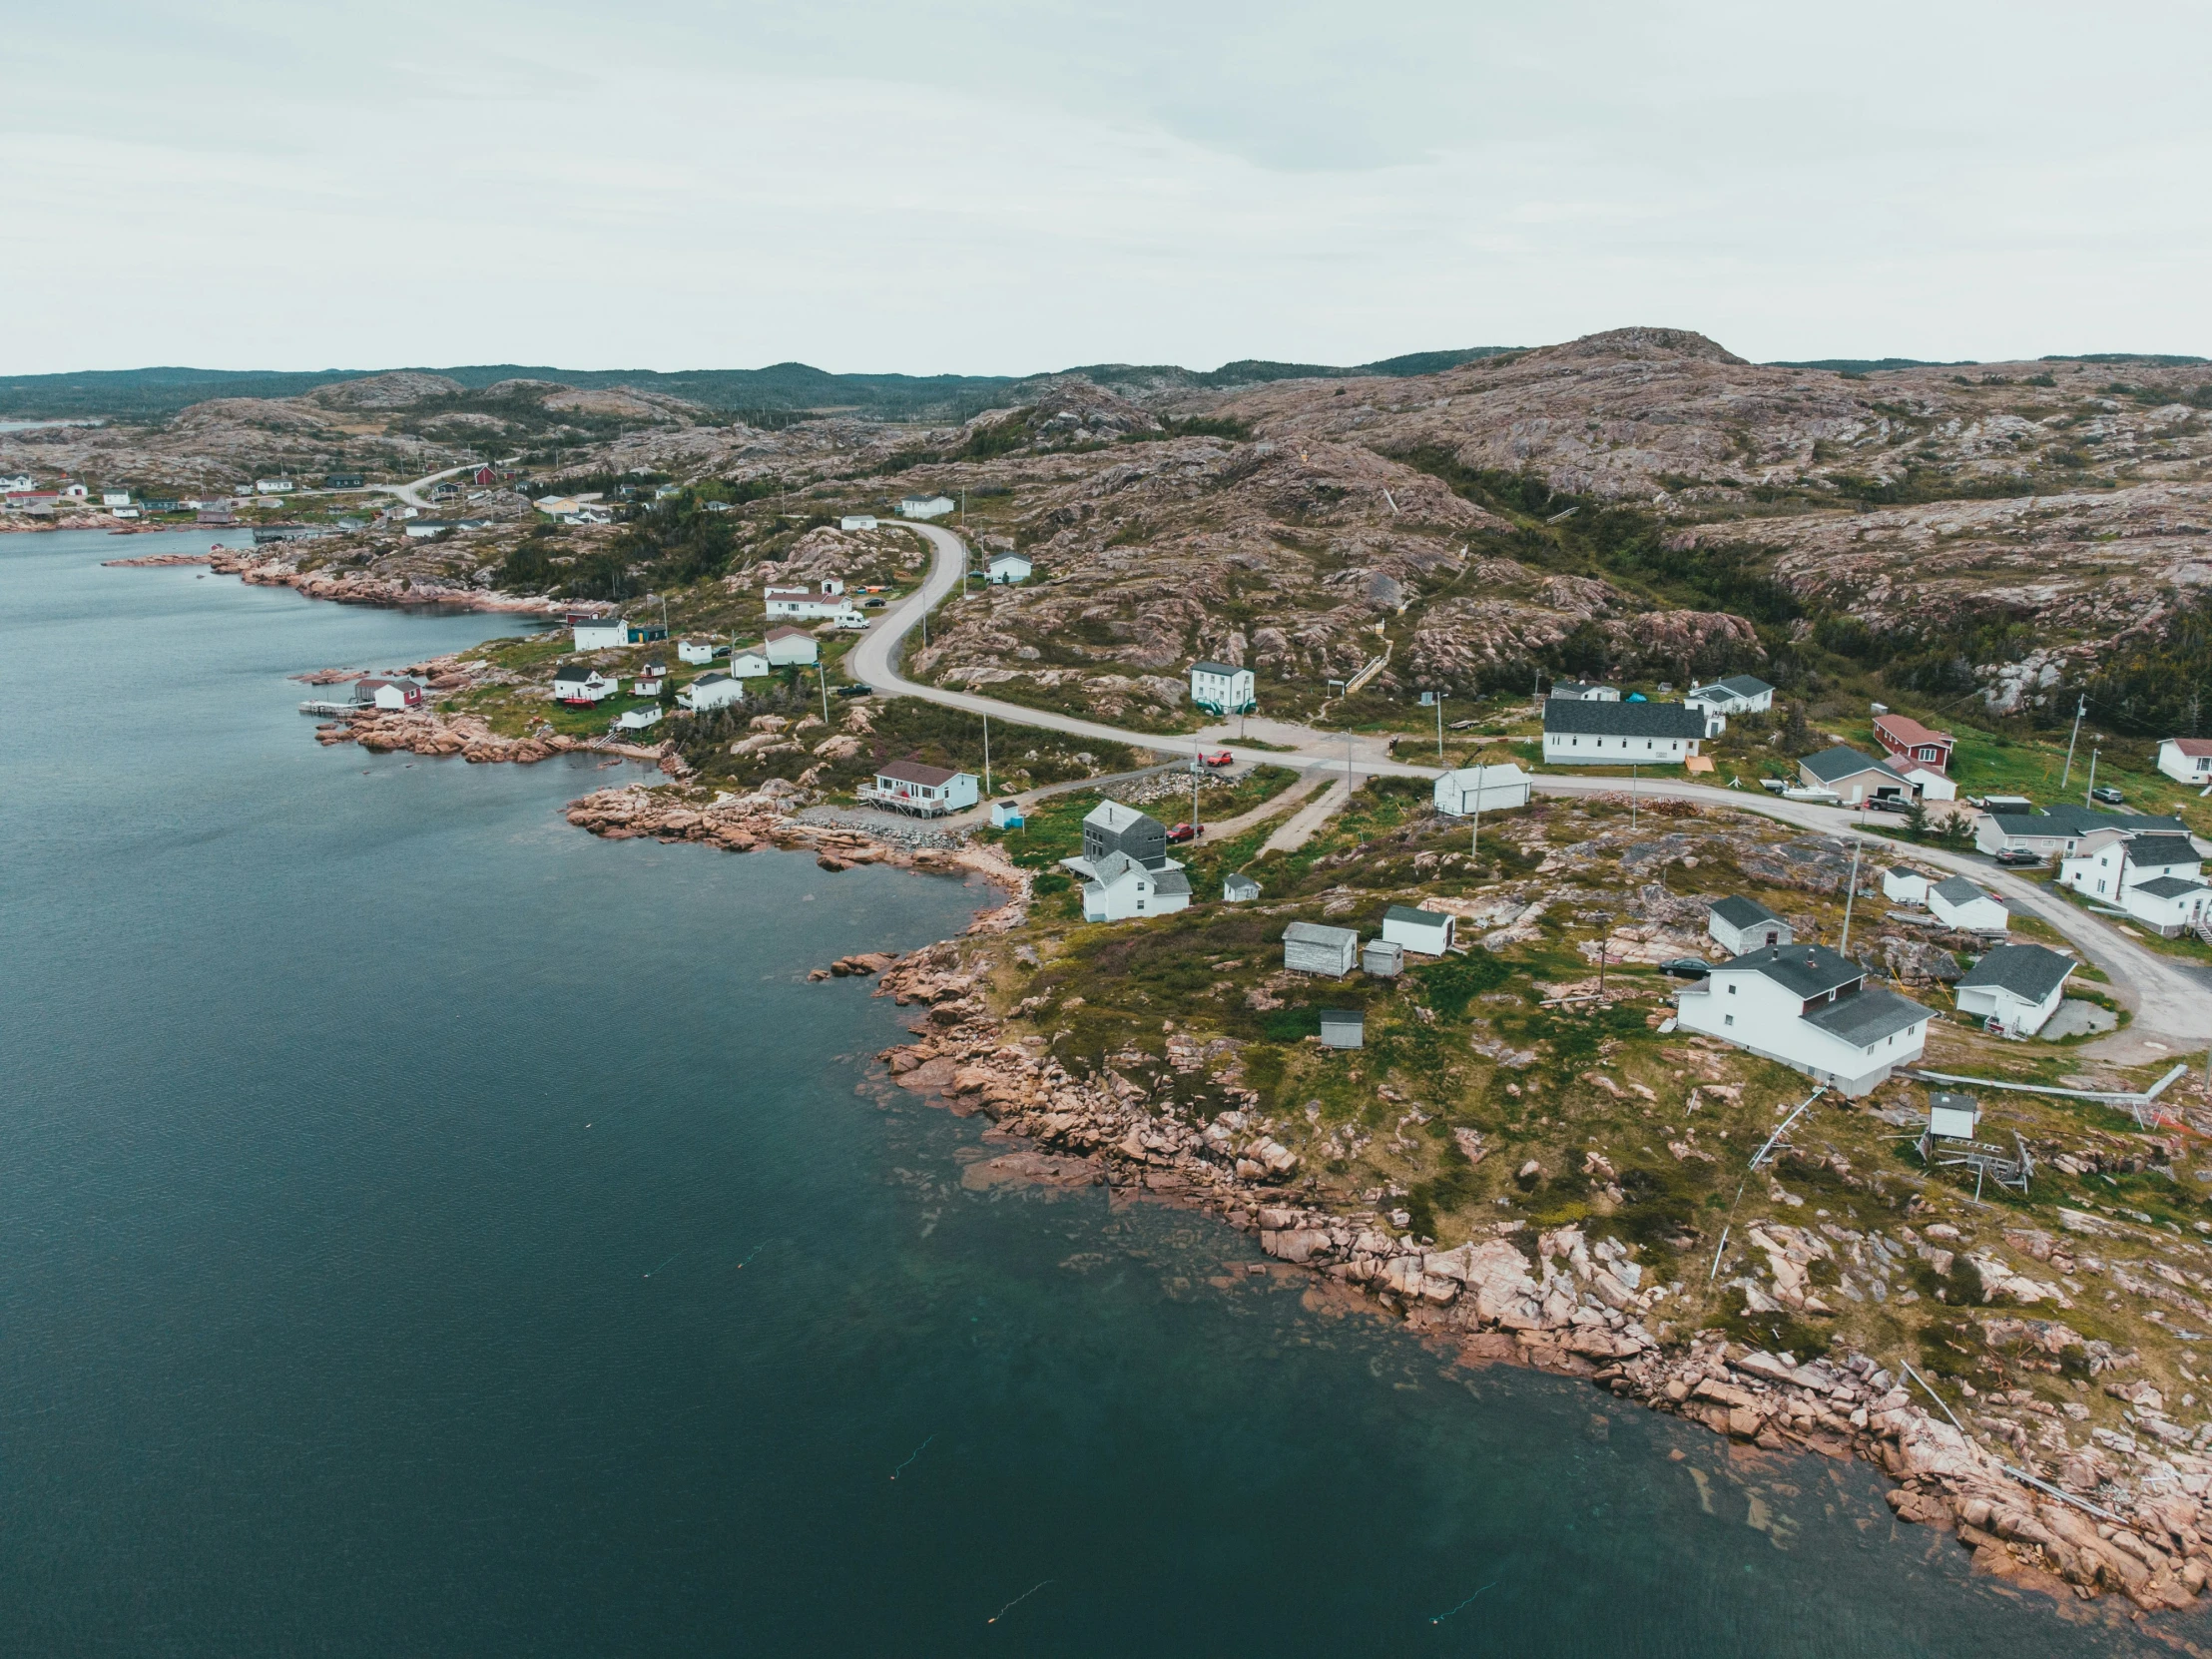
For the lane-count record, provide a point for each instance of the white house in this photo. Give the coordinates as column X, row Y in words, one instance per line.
column 1622, row 733
column 604, row 633
column 1007, row 569
column 1929, row 786
column 2186, row 760
column 1122, row 888
column 711, row 691
column 808, row 604
column 2156, row 879
column 696, row 651
column 791, row 645
column 1739, row 694
column 1583, row 691
column 924, row 791
column 582, row 685
column 926, row 506
column 78, row 493
column 1957, row 903
column 2060, row 829
column 1903, row 885
column 1852, row 777
column 649, row 680
column 387, row 694
column 856, row 521
column 637, row 720
column 274, row 486
column 1481, row 788
column 114, row 498
column 1221, row 689
column 22, row 483
column 750, row 664
column 1738, row 924
column 2015, row 988
column 1428, row 931
column 422, row 529
column 1812, row 1010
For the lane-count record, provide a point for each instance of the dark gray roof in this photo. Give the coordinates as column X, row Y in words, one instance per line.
column 1867, row 1016
column 1622, row 719
column 1574, row 688
column 1171, row 881
column 1419, row 918
column 2169, row 887
column 1739, row 911
column 1738, row 684
column 1343, row 1016
column 1832, row 764
column 2067, row 822
column 2029, row 971
column 1214, row 668
column 1958, row 890
column 2161, row 851
column 1239, row 883
column 1804, row 969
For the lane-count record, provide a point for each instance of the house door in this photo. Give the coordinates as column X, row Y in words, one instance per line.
column 1773, row 937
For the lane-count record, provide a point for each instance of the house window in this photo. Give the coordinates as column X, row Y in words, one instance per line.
column 1728, row 1019
column 1732, row 989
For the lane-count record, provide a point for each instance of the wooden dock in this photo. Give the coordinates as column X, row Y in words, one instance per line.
column 329, row 710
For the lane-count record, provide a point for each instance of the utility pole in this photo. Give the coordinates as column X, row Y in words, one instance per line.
column 2081, row 707
column 1196, row 765
column 821, row 672
column 1851, row 892
column 1440, row 695
column 1602, row 944
column 1632, row 799
column 1474, row 841
column 987, row 737
column 2088, row 795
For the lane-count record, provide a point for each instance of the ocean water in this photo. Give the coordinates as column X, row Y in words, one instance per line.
column 426, row 1228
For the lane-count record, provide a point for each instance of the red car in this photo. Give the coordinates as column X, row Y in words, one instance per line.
column 1184, row 833
column 1220, row 758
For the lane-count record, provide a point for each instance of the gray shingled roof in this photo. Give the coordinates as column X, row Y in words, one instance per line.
column 2062, row 823
column 1214, row 668
column 2169, row 887
column 1868, row 1016
column 1313, row 932
column 2161, row 851
column 1738, row 684
column 1171, row 881
column 1622, row 719
column 1806, row 970
column 1419, row 918
column 1832, row 764
column 1739, row 911
column 1958, row 890
column 2030, row 971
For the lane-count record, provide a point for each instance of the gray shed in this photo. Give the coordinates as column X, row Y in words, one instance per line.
column 1238, row 890
column 1343, row 1028
column 1383, row 958
column 1311, row 947
column 1739, row 924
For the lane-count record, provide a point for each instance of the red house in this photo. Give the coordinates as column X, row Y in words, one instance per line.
column 485, row 475
column 1913, row 745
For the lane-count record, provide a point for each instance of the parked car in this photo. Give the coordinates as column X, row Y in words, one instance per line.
column 871, row 604
column 1888, row 803
column 1184, row 833
column 1685, row 967
column 1219, row 757
column 2018, row 856
column 2107, row 794
column 853, row 691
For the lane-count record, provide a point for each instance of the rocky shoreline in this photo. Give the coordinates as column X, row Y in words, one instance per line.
column 344, row 587
column 1565, row 1300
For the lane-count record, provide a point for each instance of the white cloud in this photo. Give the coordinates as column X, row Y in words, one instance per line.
column 1003, row 187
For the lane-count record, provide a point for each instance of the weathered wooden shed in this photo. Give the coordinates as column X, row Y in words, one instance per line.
column 1343, row 1028
column 1383, row 958
column 1313, row 948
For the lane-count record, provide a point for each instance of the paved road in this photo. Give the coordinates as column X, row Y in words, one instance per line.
column 2172, row 1005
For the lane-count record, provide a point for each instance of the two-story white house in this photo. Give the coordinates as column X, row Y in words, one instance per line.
column 1812, row 1010
column 2015, row 988
column 599, row 633
column 2155, row 878
column 714, row 690
column 1221, row 689
column 1121, row 888
column 583, row 685
column 2187, row 759
column 1622, row 734
column 1739, row 694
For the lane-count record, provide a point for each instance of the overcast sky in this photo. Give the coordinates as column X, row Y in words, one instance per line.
column 1007, row 185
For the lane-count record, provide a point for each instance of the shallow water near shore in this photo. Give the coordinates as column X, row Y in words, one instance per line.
column 432, row 1229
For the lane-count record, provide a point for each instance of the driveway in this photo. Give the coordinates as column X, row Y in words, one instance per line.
column 2171, row 1005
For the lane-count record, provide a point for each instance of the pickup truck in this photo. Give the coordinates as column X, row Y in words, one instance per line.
column 1183, row 832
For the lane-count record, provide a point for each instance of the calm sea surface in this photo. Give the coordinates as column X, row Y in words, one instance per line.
column 426, row 1228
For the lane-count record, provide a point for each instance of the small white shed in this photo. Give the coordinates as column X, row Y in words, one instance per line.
column 856, row 521
column 697, row 651
column 1238, row 890
column 1382, row 959
column 1903, row 885
column 637, row 720
column 1957, row 903
column 1343, row 1028
column 1314, row 947
column 1952, row 1116
column 1427, row 932
column 1738, row 924
column 2015, row 988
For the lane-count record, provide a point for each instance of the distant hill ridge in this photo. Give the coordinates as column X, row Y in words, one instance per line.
column 156, row 394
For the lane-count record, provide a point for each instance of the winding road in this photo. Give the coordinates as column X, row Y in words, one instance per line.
column 2171, row 1002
